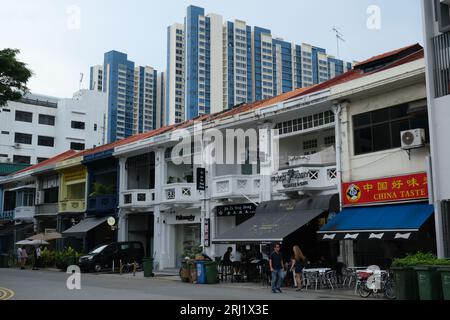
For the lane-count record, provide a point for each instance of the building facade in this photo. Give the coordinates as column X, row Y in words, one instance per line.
column 132, row 93
column 211, row 61
column 39, row 127
column 302, row 168
column 436, row 18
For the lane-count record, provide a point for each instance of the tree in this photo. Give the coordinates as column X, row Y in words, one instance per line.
column 14, row 76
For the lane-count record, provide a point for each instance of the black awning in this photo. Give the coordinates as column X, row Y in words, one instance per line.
column 276, row 220
column 84, row 227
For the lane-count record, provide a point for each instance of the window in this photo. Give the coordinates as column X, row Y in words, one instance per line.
column 39, row 160
column 51, row 195
column 3, row 155
column 330, row 141
column 24, row 116
column 46, row 141
column 23, row 138
column 5, row 132
column 380, row 130
column 310, row 144
column 95, row 127
column 77, row 146
column 78, row 125
column 47, row 119
column 22, row 159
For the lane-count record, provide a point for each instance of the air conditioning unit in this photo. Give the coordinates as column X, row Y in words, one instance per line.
column 40, row 197
column 412, row 139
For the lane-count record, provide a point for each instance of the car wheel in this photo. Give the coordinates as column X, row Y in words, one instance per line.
column 97, row 268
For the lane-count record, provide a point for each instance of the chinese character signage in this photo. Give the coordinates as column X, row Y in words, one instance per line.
column 403, row 188
column 207, row 239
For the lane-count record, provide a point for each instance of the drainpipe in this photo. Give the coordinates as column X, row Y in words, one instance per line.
column 337, row 110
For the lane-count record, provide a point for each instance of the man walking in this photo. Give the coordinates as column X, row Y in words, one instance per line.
column 276, row 267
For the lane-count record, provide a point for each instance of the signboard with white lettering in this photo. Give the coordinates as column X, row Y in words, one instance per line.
column 201, row 179
column 236, row 210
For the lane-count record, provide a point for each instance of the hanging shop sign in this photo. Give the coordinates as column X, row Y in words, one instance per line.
column 201, row 179
column 236, row 210
column 294, row 178
column 207, row 238
column 402, row 188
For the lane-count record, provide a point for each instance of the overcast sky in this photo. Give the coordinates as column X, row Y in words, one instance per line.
column 58, row 47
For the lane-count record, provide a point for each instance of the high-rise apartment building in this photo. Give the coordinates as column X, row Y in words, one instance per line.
column 96, row 78
column 132, row 93
column 214, row 65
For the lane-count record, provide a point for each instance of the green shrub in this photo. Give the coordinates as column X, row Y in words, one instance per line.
column 420, row 259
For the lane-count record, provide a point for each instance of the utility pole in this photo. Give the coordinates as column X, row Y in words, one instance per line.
column 339, row 37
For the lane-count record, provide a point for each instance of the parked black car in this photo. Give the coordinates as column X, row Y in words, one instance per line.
column 103, row 256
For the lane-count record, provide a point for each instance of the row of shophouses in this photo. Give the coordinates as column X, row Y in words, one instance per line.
column 350, row 182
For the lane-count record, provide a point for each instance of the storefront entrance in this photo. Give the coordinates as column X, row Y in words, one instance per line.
column 140, row 228
column 187, row 239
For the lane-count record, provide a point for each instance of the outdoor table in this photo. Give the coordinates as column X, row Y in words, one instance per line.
column 319, row 270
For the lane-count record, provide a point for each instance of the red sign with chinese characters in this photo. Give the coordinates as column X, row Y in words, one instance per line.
column 403, row 188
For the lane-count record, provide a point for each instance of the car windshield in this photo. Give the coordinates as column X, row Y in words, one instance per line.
column 98, row 249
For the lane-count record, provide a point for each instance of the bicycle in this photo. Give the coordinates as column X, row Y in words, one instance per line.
column 367, row 285
column 128, row 267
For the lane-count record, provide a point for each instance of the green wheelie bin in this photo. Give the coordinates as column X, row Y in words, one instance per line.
column 148, row 267
column 406, row 283
column 211, row 272
column 445, row 281
column 429, row 282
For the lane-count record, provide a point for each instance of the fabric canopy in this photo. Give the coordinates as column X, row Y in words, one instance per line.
column 275, row 220
column 83, row 227
column 398, row 222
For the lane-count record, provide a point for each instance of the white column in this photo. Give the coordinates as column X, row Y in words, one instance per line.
column 123, row 227
column 268, row 145
column 123, row 178
column 157, row 240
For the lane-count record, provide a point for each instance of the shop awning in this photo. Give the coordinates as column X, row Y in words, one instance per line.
column 83, row 227
column 275, row 220
column 394, row 222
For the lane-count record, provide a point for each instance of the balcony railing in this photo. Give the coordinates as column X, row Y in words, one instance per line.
column 72, row 205
column 441, row 46
column 181, row 193
column 7, row 215
column 236, row 186
column 102, row 203
column 305, row 178
column 48, row 209
column 137, row 198
column 24, row 213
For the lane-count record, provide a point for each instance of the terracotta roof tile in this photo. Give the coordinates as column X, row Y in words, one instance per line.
column 60, row 157
column 416, row 47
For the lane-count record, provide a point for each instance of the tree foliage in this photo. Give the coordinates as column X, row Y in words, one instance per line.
column 14, row 76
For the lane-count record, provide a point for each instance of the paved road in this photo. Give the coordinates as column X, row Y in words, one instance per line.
column 48, row 285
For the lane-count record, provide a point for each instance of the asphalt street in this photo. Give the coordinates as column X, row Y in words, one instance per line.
column 50, row 285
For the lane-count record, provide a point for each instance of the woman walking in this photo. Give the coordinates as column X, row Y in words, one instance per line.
column 298, row 264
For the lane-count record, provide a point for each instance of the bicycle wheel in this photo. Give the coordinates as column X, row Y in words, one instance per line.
column 363, row 291
column 389, row 291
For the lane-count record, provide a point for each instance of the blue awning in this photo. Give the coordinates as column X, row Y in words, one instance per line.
column 398, row 222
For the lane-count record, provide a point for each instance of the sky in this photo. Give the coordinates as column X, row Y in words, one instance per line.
column 60, row 39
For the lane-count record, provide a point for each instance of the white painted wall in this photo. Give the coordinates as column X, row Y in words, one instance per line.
column 85, row 106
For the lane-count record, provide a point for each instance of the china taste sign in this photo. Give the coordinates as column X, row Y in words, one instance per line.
column 409, row 187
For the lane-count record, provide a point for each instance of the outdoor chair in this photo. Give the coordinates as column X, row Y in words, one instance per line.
column 329, row 279
column 311, row 278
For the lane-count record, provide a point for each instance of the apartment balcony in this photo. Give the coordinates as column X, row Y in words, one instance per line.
column 180, row 193
column 47, row 209
column 102, row 203
column 137, row 198
column 7, row 215
column 305, row 178
column 24, row 213
column 78, row 205
column 236, row 186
